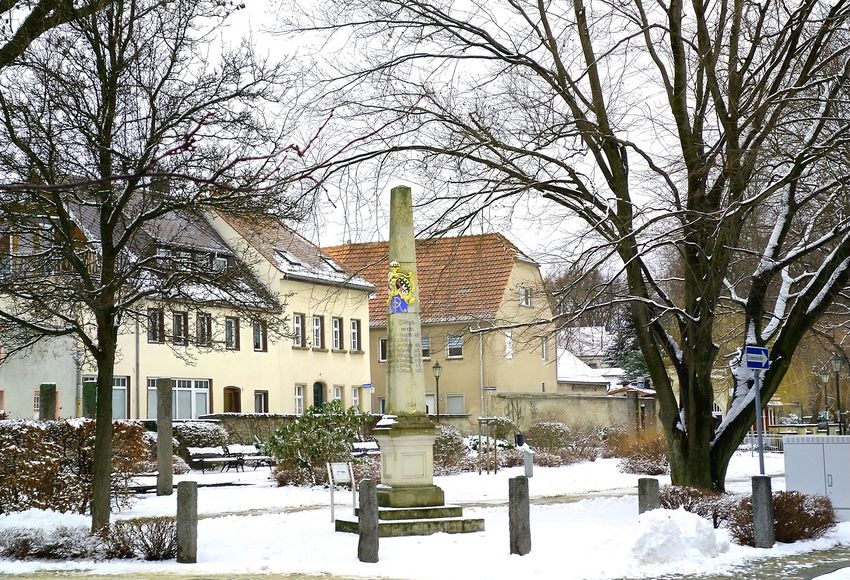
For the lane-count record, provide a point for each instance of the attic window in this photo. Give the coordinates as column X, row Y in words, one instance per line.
column 334, row 266
column 290, row 259
column 219, row 263
column 524, row 296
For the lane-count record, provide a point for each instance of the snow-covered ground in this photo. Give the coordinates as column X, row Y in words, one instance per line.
column 260, row 528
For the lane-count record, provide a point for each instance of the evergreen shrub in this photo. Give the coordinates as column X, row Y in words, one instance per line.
column 199, row 434
column 449, row 447
column 321, row 435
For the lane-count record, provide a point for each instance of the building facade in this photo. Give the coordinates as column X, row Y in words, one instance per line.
column 486, row 322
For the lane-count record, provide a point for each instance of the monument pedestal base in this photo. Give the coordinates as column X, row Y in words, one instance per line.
column 410, row 496
column 410, row 503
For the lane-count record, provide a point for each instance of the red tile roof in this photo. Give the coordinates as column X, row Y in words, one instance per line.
column 460, row 279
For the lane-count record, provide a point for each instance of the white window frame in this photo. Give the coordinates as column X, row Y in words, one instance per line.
column 120, row 383
column 259, row 336
column 180, row 336
column 263, row 397
column 231, row 333
column 426, row 347
column 318, row 331
column 298, row 329
column 451, row 343
column 194, row 386
column 336, row 333
column 36, row 404
column 339, row 393
column 383, row 349
column 509, row 344
column 203, row 329
column 525, row 296
column 355, row 335
column 299, row 399
column 355, row 397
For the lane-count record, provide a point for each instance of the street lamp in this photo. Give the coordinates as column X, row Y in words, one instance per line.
column 824, row 381
column 438, row 370
column 836, row 366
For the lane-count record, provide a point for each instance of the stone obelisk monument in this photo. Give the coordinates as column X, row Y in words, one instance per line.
column 407, row 441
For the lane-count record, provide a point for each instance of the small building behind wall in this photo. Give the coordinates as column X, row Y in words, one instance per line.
column 52, row 360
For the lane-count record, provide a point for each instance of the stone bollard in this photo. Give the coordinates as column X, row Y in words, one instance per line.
column 367, row 546
column 519, row 521
column 649, row 497
column 164, row 438
column 187, row 522
column 47, row 401
column 763, row 530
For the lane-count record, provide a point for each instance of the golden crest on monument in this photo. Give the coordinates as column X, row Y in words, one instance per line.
column 400, row 288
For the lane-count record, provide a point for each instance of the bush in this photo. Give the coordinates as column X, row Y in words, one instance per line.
column 549, row 436
column 449, row 447
column 49, row 464
column 711, row 505
column 151, row 538
column 796, row 517
column 299, row 476
column 643, row 454
column 321, row 435
column 61, row 544
column 199, row 434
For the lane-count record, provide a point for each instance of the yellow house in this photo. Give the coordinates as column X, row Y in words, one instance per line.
column 484, row 322
column 221, row 362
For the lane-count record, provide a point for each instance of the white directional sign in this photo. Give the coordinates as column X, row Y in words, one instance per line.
column 756, row 357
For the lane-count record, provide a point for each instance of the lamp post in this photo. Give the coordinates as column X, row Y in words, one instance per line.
column 438, row 370
column 836, row 366
column 824, row 381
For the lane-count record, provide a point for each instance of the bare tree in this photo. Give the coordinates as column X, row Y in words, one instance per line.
column 23, row 21
column 676, row 132
column 124, row 137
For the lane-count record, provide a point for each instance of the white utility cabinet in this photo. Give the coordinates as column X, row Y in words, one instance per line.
column 820, row 465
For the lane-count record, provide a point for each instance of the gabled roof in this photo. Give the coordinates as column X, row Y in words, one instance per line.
column 460, row 279
column 293, row 255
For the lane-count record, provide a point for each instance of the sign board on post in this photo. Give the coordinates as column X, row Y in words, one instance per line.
column 341, row 473
column 757, row 358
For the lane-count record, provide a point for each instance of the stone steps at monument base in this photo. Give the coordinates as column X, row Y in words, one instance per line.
column 416, row 527
column 418, row 513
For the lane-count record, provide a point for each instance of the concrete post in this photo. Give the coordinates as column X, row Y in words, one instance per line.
column 367, row 545
column 187, row 522
column 164, row 443
column 649, row 498
column 763, row 530
column 89, row 399
column 47, row 401
column 528, row 461
column 519, row 520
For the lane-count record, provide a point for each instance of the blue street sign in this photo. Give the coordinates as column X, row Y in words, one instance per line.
column 756, row 357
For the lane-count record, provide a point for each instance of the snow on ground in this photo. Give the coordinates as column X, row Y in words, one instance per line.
column 258, row 528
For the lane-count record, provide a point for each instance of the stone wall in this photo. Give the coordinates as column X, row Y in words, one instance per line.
column 245, row 427
column 576, row 410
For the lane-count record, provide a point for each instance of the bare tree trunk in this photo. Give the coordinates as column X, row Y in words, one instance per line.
column 102, row 477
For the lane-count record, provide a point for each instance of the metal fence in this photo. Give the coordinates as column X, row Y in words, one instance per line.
column 772, row 443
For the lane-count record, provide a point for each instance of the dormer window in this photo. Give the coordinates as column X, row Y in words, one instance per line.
column 289, row 258
column 219, row 263
column 333, row 265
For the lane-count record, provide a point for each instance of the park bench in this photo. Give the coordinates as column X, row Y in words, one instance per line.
column 361, row 448
column 227, row 456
